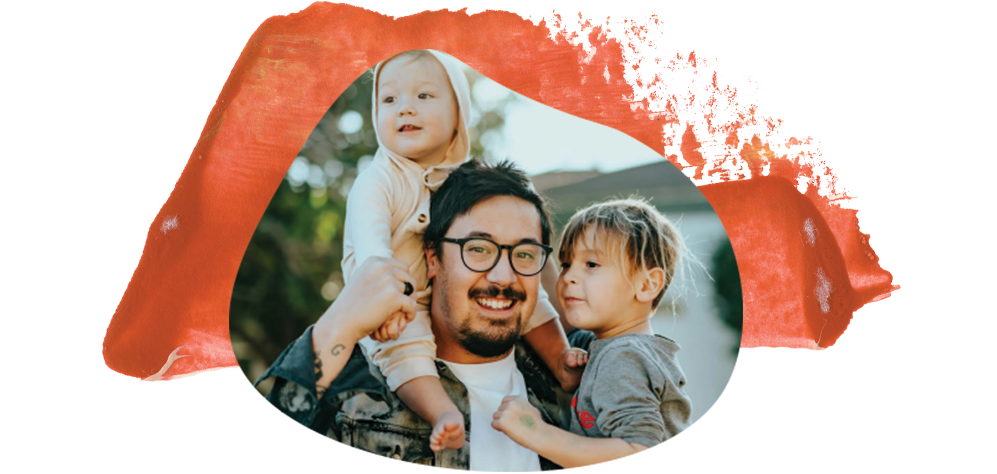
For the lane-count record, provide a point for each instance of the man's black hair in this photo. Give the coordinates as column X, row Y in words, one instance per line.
column 474, row 182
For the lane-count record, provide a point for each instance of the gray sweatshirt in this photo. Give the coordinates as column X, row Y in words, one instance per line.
column 632, row 389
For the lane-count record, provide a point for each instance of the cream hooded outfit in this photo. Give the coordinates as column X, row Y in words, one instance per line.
column 387, row 213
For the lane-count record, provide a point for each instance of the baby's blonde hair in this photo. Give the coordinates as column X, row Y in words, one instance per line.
column 632, row 233
column 411, row 55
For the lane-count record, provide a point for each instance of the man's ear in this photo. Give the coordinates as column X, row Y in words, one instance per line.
column 432, row 263
column 650, row 285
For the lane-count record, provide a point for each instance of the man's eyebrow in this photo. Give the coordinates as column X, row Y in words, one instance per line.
column 478, row 233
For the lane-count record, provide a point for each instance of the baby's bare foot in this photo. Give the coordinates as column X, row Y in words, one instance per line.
column 448, row 433
column 573, row 362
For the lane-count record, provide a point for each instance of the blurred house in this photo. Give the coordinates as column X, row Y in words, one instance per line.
column 687, row 314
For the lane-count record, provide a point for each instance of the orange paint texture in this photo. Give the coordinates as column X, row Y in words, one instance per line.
column 805, row 266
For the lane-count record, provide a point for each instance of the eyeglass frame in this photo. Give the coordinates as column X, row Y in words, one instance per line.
column 547, row 251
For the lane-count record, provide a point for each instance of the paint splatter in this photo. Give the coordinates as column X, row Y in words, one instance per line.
column 169, row 224
column 810, row 231
column 761, row 183
column 823, row 291
column 169, row 363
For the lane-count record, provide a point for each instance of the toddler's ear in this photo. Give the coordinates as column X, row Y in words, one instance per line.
column 650, row 285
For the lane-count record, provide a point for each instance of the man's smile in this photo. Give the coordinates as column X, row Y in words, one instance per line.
column 494, row 300
column 495, row 303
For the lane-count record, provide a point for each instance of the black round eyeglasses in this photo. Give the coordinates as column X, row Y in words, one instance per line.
column 481, row 255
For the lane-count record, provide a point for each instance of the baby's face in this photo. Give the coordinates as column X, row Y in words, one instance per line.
column 416, row 110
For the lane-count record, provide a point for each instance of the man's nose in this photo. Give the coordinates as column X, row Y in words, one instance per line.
column 502, row 273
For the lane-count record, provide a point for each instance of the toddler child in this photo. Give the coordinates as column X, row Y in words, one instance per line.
column 421, row 111
column 617, row 260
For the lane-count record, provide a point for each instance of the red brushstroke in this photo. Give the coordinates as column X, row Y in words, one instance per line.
column 294, row 67
column 765, row 218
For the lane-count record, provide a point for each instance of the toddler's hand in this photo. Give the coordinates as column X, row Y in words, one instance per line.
column 573, row 361
column 519, row 420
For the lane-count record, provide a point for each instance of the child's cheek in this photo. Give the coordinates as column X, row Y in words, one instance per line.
column 572, row 316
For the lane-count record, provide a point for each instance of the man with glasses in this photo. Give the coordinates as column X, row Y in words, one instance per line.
column 487, row 242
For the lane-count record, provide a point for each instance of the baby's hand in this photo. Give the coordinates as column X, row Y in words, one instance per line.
column 391, row 328
column 572, row 364
column 519, row 420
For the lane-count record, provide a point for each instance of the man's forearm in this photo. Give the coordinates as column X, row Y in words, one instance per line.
column 332, row 344
column 374, row 294
column 329, row 362
column 549, row 342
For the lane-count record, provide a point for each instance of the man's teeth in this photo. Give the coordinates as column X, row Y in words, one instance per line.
column 494, row 304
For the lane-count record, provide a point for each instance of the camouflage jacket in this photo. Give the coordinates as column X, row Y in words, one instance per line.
column 359, row 410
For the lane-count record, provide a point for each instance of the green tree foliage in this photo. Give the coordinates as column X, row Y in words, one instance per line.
column 290, row 272
column 727, row 285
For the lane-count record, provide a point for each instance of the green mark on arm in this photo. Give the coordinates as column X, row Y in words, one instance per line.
column 528, row 422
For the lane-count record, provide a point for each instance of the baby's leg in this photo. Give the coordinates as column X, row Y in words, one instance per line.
column 567, row 363
column 426, row 397
column 410, row 370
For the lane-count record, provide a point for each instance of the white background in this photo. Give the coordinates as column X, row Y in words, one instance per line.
column 102, row 105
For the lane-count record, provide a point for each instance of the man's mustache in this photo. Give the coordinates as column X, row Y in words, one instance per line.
column 496, row 292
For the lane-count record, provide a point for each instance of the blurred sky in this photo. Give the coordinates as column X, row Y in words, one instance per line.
column 541, row 139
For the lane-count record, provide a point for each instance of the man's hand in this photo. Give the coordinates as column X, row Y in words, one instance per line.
column 393, row 327
column 375, row 293
column 520, row 421
column 570, row 367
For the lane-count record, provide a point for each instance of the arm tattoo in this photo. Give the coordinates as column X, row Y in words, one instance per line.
column 319, row 390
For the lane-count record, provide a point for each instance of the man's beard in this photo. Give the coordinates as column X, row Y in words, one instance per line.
column 500, row 335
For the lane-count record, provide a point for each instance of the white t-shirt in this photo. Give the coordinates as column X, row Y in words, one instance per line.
column 487, row 384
